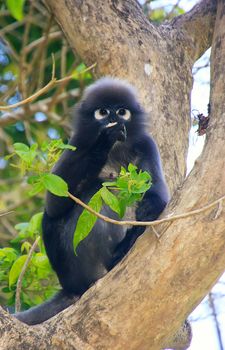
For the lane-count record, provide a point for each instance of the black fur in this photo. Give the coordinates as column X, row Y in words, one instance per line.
column 98, row 157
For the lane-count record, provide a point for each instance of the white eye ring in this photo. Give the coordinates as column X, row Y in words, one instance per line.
column 123, row 113
column 101, row 113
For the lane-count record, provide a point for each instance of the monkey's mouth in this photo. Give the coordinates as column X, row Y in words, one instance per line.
column 111, row 124
column 122, row 134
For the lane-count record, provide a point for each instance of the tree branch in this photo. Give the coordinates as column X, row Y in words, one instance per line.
column 22, row 273
column 195, row 28
column 155, row 222
column 39, row 106
column 45, row 88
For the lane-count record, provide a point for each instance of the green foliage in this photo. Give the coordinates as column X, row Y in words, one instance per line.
column 128, row 188
column 16, row 269
column 25, row 67
column 162, row 13
column 55, row 185
column 16, row 8
column 87, row 220
column 79, row 72
column 39, row 281
column 110, row 199
column 37, row 162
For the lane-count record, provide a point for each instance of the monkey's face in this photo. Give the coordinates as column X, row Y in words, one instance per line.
column 114, row 117
column 111, row 104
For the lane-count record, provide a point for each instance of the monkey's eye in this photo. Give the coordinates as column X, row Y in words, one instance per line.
column 101, row 113
column 123, row 113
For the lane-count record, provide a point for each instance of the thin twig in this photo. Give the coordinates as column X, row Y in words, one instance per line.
column 30, row 98
column 168, row 16
column 11, row 27
column 36, row 94
column 156, row 233
column 38, row 60
column 43, row 105
column 14, row 206
column 20, row 279
column 35, row 43
column 50, row 84
column 9, row 227
column 146, row 223
column 22, row 61
column 79, row 73
column 60, row 88
column 219, row 210
column 6, row 213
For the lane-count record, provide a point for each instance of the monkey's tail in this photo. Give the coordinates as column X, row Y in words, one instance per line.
column 50, row 308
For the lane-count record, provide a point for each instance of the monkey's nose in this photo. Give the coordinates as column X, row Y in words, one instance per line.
column 113, row 118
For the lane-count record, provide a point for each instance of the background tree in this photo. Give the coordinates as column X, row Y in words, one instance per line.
column 181, row 267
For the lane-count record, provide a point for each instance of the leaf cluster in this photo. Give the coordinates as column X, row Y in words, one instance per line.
column 127, row 189
column 39, row 281
column 37, row 162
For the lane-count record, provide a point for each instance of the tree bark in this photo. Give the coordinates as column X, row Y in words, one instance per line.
column 143, row 300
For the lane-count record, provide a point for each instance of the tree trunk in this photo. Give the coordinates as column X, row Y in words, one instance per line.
column 143, row 300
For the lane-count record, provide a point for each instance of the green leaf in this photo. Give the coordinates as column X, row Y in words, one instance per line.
column 34, row 147
column 145, row 176
column 111, row 200
column 41, row 260
column 16, row 269
column 35, row 223
column 79, row 73
column 132, row 168
column 37, row 187
column 64, row 146
column 33, row 179
column 56, row 144
column 109, row 184
column 87, row 220
column 9, row 253
column 21, row 147
column 21, row 226
column 55, row 184
column 25, row 247
column 123, row 206
column 9, row 156
column 24, row 152
column 16, row 8
column 123, row 171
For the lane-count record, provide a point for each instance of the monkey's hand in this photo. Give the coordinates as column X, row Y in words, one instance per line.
column 148, row 209
column 108, row 137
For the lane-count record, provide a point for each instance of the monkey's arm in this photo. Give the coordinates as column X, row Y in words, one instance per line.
column 157, row 197
column 154, row 200
column 80, row 168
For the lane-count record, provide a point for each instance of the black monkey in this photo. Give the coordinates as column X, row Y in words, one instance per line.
column 109, row 133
